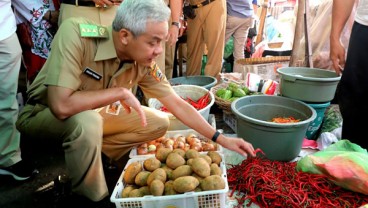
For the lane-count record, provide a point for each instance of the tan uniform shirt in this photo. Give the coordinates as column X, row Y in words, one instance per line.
column 73, row 54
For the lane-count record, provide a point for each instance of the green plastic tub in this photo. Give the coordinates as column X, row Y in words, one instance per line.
column 279, row 141
column 202, row 81
column 315, row 125
column 308, row 84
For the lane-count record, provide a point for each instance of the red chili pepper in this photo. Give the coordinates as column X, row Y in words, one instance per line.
column 278, row 184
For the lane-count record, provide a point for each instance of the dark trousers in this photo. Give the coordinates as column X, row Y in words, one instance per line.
column 353, row 88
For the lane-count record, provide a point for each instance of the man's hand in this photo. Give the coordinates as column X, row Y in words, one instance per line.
column 337, row 56
column 130, row 101
column 172, row 36
column 238, row 145
column 104, row 3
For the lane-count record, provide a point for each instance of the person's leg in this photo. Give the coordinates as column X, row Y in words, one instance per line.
column 81, row 138
column 123, row 132
column 195, row 45
column 10, row 61
column 169, row 60
column 240, row 37
column 353, row 86
column 160, row 59
column 214, row 36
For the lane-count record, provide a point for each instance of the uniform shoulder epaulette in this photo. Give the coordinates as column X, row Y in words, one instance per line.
column 155, row 72
column 92, row 30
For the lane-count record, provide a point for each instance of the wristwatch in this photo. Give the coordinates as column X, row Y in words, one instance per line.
column 177, row 24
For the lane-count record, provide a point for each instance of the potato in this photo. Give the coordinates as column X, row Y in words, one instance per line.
column 191, row 153
column 213, row 182
column 157, row 187
column 215, row 156
column 189, row 162
column 184, row 170
column 131, row 172
column 141, row 178
column 151, row 164
column 126, row 190
column 198, row 189
column 145, row 190
column 181, row 152
column 207, row 158
column 159, row 174
column 169, row 188
column 215, row 169
column 168, row 171
column 199, row 178
column 185, row 184
column 201, row 167
column 174, row 160
column 135, row 193
column 162, row 153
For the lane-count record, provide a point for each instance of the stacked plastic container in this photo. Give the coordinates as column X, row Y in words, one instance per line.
column 315, row 87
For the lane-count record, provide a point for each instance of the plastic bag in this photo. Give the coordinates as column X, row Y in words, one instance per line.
column 229, row 48
column 343, row 162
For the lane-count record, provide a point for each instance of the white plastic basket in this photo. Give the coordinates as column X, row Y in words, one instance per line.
column 194, row 92
column 204, row 199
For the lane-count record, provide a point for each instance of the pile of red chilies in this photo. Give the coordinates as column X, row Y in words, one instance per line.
column 201, row 103
column 277, row 184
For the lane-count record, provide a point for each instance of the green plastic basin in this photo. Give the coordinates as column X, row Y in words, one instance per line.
column 202, row 80
column 279, row 141
column 308, row 84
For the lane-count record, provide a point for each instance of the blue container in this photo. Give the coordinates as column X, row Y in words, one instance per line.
column 315, row 125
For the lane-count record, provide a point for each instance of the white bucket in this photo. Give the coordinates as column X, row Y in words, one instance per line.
column 194, row 92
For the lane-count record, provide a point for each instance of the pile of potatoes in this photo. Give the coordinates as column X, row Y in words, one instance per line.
column 173, row 172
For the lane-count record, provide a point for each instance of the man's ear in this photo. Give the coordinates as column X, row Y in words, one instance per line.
column 124, row 36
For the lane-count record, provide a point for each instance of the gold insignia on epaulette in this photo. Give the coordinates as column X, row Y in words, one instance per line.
column 156, row 73
column 90, row 30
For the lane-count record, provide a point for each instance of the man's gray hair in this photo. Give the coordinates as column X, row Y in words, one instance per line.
column 134, row 15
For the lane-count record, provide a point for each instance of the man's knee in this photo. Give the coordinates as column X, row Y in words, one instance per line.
column 159, row 125
column 85, row 128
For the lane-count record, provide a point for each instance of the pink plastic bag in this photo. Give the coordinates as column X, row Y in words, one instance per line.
column 345, row 164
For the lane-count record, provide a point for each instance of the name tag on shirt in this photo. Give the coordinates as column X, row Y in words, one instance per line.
column 96, row 31
column 92, row 73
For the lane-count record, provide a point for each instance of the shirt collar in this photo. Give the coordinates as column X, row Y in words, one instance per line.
column 106, row 49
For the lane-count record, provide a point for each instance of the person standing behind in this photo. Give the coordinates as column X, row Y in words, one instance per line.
column 99, row 11
column 11, row 162
column 42, row 18
column 353, row 85
column 175, row 31
column 206, row 28
column 240, row 17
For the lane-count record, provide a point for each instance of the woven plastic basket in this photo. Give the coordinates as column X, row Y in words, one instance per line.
column 263, row 60
column 223, row 104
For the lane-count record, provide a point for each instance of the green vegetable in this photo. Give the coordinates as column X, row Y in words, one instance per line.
column 238, row 93
column 232, row 86
column 220, row 92
column 232, row 99
column 227, row 95
column 246, row 90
